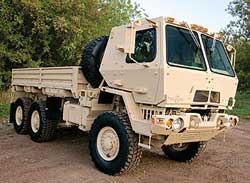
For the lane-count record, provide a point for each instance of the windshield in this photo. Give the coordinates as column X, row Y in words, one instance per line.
column 217, row 57
column 182, row 51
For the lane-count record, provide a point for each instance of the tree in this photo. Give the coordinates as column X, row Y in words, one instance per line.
column 238, row 32
column 240, row 9
column 53, row 32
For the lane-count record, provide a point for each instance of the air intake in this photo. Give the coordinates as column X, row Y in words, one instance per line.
column 215, row 97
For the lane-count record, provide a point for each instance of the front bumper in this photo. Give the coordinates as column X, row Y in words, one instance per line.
column 194, row 128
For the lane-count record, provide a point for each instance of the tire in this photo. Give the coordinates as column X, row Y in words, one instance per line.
column 181, row 154
column 128, row 154
column 91, row 60
column 19, row 115
column 41, row 129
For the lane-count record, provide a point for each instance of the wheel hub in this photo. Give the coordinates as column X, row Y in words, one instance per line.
column 180, row 146
column 35, row 121
column 19, row 115
column 108, row 143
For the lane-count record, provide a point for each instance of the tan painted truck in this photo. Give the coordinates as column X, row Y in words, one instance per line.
column 157, row 83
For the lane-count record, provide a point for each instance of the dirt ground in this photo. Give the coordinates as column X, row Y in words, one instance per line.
column 67, row 159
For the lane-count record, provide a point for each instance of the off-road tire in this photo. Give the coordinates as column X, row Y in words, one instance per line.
column 91, row 60
column 25, row 103
column 47, row 129
column 129, row 154
column 190, row 153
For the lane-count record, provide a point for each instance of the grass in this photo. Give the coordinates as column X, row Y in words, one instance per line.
column 4, row 105
column 242, row 105
column 4, row 111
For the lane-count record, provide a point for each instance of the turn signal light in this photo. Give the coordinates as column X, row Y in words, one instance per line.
column 234, row 121
column 153, row 120
column 169, row 123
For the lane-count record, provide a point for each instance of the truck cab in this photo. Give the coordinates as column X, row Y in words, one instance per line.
column 177, row 73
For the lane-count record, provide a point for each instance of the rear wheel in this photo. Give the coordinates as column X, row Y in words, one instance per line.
column 41, row 129
column 20, row 115
column 184, row 152
column 113, row 144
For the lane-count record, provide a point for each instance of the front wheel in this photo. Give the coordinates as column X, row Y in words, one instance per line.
column 184, row 152
column 113, row 144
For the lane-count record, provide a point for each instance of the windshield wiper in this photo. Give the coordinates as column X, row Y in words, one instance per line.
column 192, row 35
column 213, row 45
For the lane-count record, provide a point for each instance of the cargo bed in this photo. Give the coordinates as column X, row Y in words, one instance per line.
column 51, row 81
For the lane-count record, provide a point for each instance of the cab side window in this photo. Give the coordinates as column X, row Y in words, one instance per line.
column 145, row 46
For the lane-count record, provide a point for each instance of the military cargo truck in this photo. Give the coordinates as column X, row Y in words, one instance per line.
column 158, row 83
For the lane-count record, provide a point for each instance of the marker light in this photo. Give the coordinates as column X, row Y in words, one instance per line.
column 170, row 19
column 200, row 28
column 194, row 26
column 205, row 30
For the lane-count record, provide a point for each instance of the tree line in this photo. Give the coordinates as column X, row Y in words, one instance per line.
column 39, row 33
column 53, row 32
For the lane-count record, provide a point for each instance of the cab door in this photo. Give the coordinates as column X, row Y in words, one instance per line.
column 138, row 72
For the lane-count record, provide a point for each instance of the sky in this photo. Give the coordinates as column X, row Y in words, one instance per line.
column 207, row 13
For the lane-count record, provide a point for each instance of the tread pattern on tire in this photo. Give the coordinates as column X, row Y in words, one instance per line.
column 91, row 60
column 25, row 103
column 47, row 129
column 187, row 155
column 134, row 151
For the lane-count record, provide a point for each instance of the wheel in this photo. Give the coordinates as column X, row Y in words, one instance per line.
column 91, row 60
column 113, row 144
column 20, row 115
column 184, row 152
column 41, row 129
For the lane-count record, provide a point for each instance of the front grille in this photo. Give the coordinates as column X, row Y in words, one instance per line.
column 149, row 111
column 201, row 96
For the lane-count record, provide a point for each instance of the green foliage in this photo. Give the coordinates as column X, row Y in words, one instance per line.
column 36, row 33
column 240, row 9
column 4, row 111
column 242, row 105
column 243, row 65
column 238, row 32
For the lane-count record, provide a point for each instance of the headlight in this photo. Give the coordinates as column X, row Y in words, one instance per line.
column 178, row 124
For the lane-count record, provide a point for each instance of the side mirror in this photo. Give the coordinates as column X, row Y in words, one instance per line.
column 232, row 54
column 126, row 42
